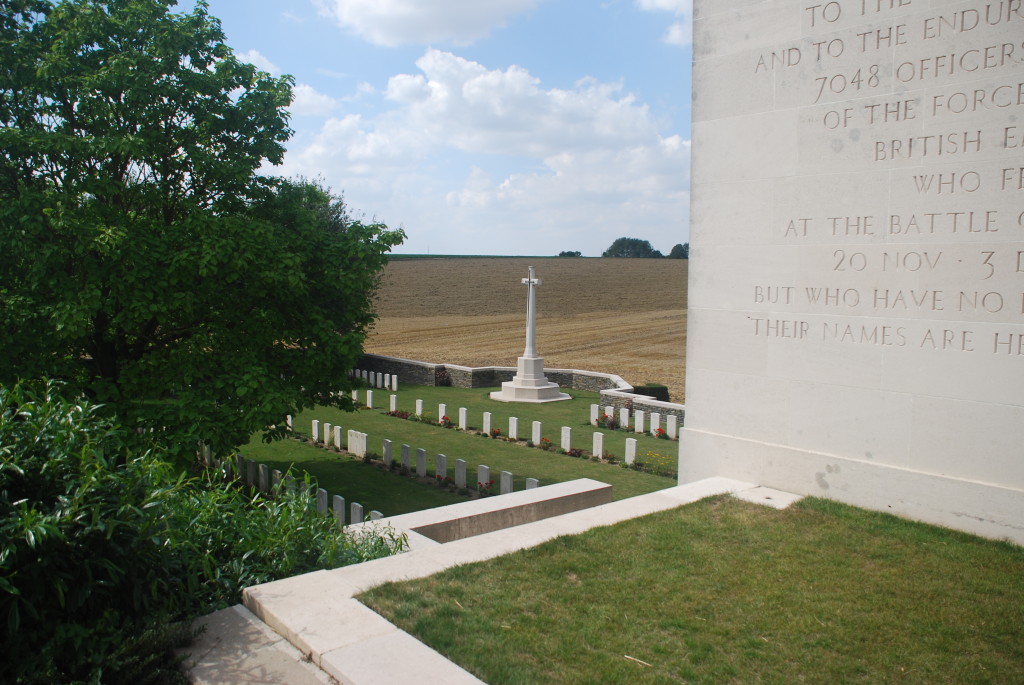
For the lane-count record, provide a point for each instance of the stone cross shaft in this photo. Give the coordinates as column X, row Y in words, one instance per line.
column 531, row 314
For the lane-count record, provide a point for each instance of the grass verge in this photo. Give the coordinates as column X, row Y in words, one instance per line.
column 727, row 591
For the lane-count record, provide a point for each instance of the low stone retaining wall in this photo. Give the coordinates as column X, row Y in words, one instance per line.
column 615, row 392
column 620, row 399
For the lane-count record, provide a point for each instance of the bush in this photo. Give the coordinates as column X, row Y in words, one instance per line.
column 102, row 549
column 655, row 390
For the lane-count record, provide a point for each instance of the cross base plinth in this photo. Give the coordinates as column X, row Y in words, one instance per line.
column 529, row 384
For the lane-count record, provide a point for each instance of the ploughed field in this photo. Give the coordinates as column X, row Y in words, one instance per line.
column 621, row 316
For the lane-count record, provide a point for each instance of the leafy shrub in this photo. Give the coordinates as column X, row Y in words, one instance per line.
column 655, row 390
column 102, row 549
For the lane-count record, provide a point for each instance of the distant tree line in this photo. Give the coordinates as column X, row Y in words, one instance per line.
column 635, row 247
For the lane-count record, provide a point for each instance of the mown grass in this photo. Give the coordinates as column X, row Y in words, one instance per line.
column 392, row 494
column 726, row 591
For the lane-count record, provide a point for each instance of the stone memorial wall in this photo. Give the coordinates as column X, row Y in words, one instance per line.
column 856, row 297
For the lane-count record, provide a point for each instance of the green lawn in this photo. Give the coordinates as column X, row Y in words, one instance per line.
column 727, row 591
column 392, row 494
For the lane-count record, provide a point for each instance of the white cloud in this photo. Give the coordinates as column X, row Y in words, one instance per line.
column 256, row 57
column 308, row 102
column 461, row 103
column 676, row 6
column 556, row 168
column 420, row 22
column 679, row 32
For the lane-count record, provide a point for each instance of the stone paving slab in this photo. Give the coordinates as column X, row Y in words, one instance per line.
column 237, row 648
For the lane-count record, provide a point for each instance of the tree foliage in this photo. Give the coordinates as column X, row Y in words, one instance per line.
column 680, row 251
column 145, row 260
column 570, row 253
column 631, row 247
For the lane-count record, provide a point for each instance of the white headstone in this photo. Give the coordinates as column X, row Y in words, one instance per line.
column 513, row 428
column 327, row 433
column 506, row 482
column 264, row 478
column 394, row 383
column 421, row 462
column 355, row 513
column 673, row 426
column 419, row 407
column 532, row 483
column 321, row 501
column 375, row 515
column 338, row 506
column 337, row 437
column 393, row 407
column 598, row 450
column 655, row 422
column 595, row 411
column 387, row 456
column 630, row 450
column 441, row 466
column 638, row 421
column 369, row 399
column 442, row 411
column 460, row 473
column 623, row 418
column 463, row 418
column 536, row 433
column 566, row 438
column 487, row 422
column 483, row 476
column 315, row 430
column 407, row 457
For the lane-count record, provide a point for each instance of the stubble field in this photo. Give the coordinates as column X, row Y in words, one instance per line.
column 621, row 316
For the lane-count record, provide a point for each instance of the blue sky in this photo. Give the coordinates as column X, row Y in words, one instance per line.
column 516, row 127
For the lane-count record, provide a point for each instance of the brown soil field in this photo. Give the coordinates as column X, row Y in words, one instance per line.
column 621, row 316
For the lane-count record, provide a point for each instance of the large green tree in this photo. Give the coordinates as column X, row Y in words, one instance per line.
column 631, row 247
column 144, row 259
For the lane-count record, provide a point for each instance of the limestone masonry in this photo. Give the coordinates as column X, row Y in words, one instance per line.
column 856, row 298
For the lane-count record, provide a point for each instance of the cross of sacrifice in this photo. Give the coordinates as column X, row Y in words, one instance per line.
column 531, row 314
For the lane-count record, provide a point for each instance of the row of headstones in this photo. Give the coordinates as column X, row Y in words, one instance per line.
column 330, row 436
column 385, row 381
column 261, row 477
column 357, row 445
column 639, row 419
column 369, row 399
column 483, row 472
column 566, row 436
